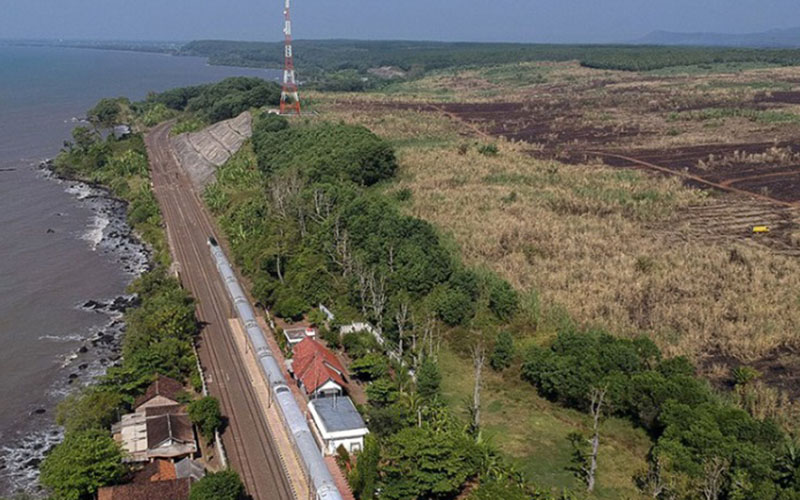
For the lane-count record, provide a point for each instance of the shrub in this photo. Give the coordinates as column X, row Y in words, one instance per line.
column 370, row 367
column 290, row 306
column 503, row 300
column 454, row 307
column 225, row 485
column 503, row 352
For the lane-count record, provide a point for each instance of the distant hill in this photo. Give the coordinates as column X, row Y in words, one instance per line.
column 783, row 38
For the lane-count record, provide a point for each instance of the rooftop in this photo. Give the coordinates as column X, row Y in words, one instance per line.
column 163, row 386
column 314, row 365
column 174, row 489
column 337, row 414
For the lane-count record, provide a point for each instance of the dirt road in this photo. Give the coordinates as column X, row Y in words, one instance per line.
column 249, row 445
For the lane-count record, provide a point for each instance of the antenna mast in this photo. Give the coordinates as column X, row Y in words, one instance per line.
column 290, row 99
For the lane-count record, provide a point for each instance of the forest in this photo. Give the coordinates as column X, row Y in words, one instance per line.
column 335, row 57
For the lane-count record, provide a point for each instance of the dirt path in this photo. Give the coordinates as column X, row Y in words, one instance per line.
column 250, row 447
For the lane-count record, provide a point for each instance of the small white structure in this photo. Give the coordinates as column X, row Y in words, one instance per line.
column 338, row 423
column 296, row 335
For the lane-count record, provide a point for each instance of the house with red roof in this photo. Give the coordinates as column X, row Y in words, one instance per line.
column 317, row 370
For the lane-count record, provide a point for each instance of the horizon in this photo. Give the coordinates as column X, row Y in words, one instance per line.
column 503, row 21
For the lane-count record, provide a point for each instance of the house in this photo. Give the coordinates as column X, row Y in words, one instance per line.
column 296, row 335
column 164, row 391
column 160, row 428
column 172, row 489
column 317, row 370
column 159, row 479
column 338, row 424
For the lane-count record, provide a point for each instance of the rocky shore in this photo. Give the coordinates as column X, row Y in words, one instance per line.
column 100, row 348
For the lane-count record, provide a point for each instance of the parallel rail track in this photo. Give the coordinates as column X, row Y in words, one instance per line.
column 247, row 438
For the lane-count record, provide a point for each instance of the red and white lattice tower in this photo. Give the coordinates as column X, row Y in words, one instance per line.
column 290, row 99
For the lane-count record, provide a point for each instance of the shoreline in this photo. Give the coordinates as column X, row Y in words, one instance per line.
column 100, row 347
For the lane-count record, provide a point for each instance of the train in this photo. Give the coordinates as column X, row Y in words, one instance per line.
column 310, row 455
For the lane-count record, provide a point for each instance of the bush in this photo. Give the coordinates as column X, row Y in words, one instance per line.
column 224, row 485
column 503, row 300
column 503, row 352
column 454, row 307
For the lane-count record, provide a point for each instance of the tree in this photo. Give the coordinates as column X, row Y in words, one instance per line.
column 503, row 352
column 429, row 379
column 206, row 415
column 106, row 112
column 82, row 463
column 423, row 463
column 586, row 461
column 364, row 477
column 478, row 360
column 90, row 409
column 224, row 485
column 370, row 367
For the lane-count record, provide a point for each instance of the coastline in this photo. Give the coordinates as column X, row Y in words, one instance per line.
column 100, row 347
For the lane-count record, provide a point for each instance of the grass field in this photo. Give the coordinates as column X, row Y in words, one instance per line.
column 533, row 432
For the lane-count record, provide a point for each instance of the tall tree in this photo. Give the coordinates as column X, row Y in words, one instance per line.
column 82, row 463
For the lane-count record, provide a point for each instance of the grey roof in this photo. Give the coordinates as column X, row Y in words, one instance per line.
column 338, row 413
column 189, row 468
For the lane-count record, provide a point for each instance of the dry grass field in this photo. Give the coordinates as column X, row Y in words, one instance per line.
column 569, row 206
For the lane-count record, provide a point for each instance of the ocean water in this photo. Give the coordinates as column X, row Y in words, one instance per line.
column 65, row 252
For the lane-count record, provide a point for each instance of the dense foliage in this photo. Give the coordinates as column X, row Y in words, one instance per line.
column 694, row 428
column 219, row 101
column 85, row 461
column 327, row 153
column 206, row 415
column 338, row 57
column 224, row 485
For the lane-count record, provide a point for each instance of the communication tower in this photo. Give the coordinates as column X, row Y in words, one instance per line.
column 290, row 99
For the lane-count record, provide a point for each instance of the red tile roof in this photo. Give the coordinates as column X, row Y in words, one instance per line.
column 157, row 470
column 163, row 386
column 175, row 489
column 314, row 365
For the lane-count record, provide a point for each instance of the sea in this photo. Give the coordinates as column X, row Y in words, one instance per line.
column 66, row 254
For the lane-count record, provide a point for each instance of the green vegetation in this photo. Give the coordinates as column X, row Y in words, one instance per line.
column 214, row 101
column 224, row 485
column 503, row 353
column 82, row 463
column 756, row 115
column 93, row 408
column 695, row 430
column 161, row 328
column 342, row 64
column 206, row 415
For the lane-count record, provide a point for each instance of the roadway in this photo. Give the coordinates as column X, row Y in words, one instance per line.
column 249, row 445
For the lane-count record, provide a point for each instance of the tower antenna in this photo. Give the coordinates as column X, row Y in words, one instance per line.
column 290, row 99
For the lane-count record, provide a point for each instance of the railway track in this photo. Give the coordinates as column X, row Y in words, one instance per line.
column 247, row 439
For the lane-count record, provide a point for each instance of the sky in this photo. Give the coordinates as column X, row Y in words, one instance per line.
column 558, row 21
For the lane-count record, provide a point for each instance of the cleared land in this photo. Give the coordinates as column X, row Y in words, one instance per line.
column 590, row 200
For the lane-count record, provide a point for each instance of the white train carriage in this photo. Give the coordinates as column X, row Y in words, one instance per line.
column 310, row 456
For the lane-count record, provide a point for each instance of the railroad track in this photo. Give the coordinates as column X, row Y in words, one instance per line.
column 247, row 438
